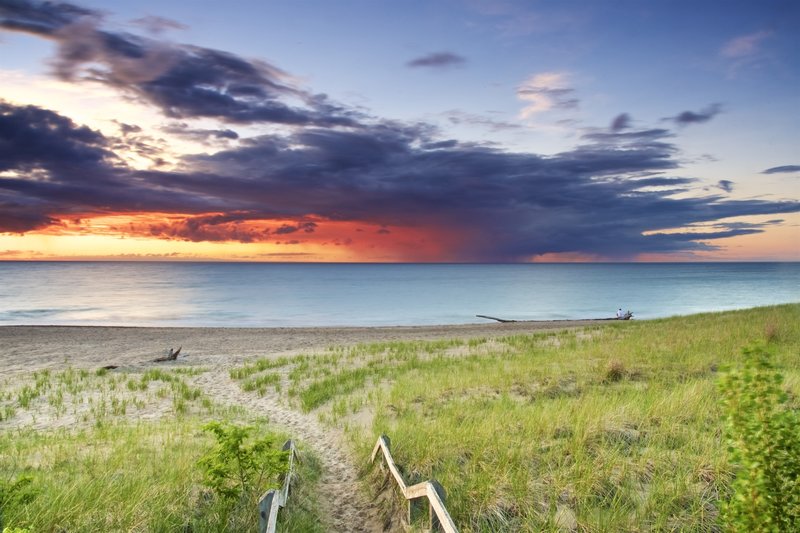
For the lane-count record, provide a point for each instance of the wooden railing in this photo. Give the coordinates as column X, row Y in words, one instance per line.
column 439, row 517
column 274, row 499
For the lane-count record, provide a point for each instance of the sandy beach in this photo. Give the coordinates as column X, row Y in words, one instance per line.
column 26, row 348
column 214, row 351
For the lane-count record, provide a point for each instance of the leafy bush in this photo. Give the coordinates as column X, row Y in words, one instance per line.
column 763, row 437
column 239, row 464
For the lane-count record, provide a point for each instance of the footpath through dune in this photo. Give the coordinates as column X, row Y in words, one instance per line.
column 347, row 507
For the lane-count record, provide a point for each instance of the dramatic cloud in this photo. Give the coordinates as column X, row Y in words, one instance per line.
column 28, row 132
column 782, row 169
column 437, row 60
column 691, row 117
column 605, row 197
column 183, row 81
column 50, row 168
column 617, row 194
column 546, row 91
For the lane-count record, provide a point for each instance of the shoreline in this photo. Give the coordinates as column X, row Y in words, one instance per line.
column 29, row 348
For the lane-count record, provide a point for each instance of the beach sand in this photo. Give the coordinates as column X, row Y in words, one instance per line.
column 25, row 349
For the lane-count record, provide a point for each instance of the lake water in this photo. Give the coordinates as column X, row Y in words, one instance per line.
column 269, row 294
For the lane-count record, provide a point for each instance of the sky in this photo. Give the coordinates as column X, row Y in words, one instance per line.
column 414, row 131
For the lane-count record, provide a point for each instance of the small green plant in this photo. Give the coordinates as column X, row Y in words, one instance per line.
column 261, row 382
column 15, row 493
column 763, row 438
column 240, row 464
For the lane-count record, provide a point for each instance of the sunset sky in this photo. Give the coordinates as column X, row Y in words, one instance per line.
column 376, row 130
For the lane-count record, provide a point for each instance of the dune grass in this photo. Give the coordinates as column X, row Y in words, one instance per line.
column 120, row 452
column 613, row 429
column 610, row 428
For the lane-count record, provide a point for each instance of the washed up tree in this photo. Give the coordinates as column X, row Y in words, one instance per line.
column 171, row 356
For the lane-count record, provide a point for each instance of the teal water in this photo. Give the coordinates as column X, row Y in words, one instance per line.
column 271, row 295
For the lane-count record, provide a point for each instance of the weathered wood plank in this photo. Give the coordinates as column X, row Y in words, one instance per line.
column 265, row 510
column 440, row 519
column 419, row 490
column 443, row 518
column 383, row 445
column 273, row 500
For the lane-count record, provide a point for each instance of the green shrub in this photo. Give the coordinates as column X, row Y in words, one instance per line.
column 239, row 464
column 763, row 437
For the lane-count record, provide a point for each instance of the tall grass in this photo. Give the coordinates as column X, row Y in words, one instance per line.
column 618, row 431
column 121, row 477
column 610, row 428
column 108, row 478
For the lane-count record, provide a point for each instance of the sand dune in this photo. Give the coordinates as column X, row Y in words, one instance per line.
column 24, row 349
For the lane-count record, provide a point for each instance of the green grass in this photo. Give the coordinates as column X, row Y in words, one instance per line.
column 104, row 471
column 610, row 428
column 120, row 477
column 259, row 365
column 621, row 430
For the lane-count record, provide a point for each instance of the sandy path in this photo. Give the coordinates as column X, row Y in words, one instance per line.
column 353, row 512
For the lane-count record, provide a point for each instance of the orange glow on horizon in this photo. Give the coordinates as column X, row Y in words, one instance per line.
column 158, row 236
column 170, row 237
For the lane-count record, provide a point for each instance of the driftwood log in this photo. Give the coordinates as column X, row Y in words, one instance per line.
column 504, row 320
column 171, row 356
column 627, row 316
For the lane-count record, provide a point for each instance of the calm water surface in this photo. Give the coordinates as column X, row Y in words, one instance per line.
column 237, row 294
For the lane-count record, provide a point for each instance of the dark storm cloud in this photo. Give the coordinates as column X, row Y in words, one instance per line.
column 592, row 199
column 692, row 117
column 53, row 167
column 183, row 81
column 437, row 60
column 27, row 133
column 782, row 169
column 41, row 19
column 599, row 198
column 608, row 196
